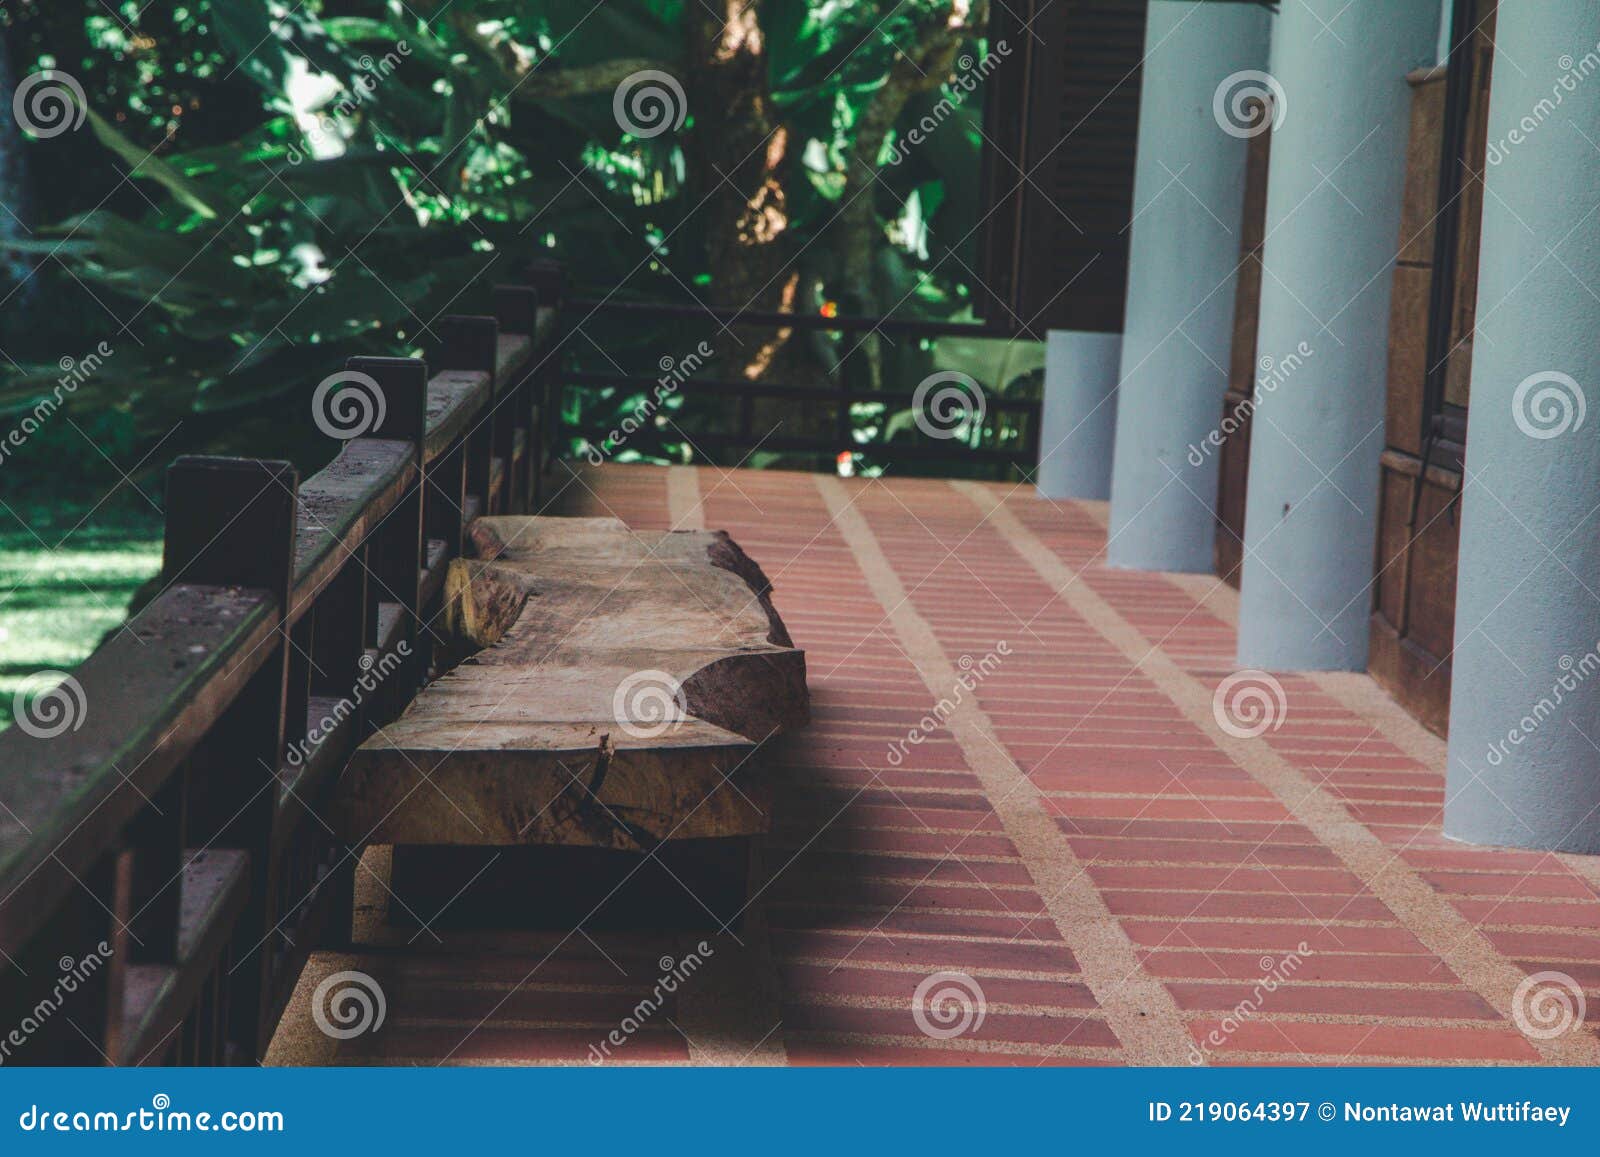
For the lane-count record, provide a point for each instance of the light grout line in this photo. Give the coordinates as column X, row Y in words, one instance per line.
column 1587, row 867
column 685, row 508
column 729, row 1013
column 1360, row 694
column 1422, row 911
column 1210, row 592
column 1098, row 511
column 1139, row 1009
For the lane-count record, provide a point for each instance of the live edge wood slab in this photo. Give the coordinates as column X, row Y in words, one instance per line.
column 612, row 689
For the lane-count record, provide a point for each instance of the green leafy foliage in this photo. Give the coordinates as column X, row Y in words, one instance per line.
column 274, row 186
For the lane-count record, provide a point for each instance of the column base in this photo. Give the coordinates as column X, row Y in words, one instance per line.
column 1077, row 424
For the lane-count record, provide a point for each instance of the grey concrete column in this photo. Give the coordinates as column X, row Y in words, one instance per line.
column 1525, row 681
column 1079, row 415
column 1201, row 60
column 1333, row 225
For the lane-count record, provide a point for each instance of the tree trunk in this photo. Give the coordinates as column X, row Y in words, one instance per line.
column 740, row 152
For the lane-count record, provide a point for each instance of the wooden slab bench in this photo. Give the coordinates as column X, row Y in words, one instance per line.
column 612, row 690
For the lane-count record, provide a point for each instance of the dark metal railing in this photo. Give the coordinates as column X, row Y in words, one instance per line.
column 731, row 315
column 838, row 435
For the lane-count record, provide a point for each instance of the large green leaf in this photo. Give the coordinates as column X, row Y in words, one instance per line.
column 145, row 165
column 253, row 40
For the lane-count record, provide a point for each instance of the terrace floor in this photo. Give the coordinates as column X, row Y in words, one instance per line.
column 1123, row 881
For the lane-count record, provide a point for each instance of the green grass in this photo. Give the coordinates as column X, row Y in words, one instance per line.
column 63, row 587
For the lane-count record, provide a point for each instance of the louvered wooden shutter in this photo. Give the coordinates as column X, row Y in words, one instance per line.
column 1064, row 109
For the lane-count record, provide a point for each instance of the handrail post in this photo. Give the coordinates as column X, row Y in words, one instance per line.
column 396, row 550
column 516, row 308
column 547, row 277
column 229, row 522
column 472, row 344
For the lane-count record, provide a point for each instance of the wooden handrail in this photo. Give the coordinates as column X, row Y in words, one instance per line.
column 163, row 832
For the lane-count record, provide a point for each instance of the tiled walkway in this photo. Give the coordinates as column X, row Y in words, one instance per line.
column 1108, row 874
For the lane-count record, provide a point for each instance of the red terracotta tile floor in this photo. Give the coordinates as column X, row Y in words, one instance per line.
column 1018, row 833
